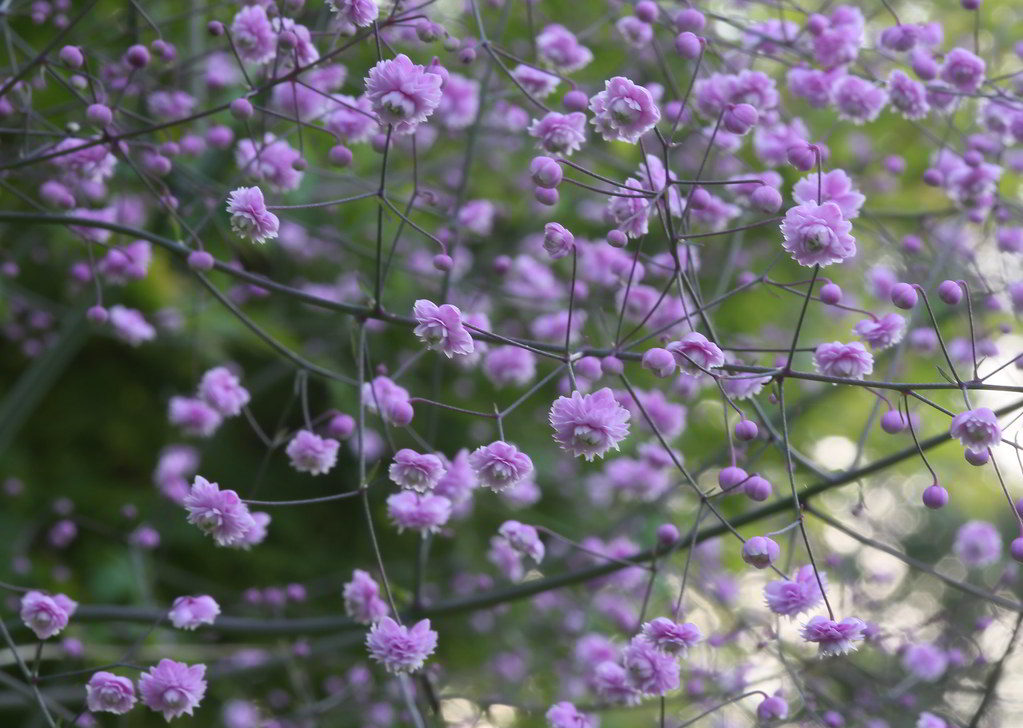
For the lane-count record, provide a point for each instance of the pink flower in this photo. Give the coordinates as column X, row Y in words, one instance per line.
column 189, row 612
column 566, row 715
column 362, row 598
column 834, row 638
column 423, row 513
column 130, row 326
column 523, row 539
column 817, row 234
column 403, row 93
column 360, row 13
column 623, row 111
column 126, row 263
column 538, row 83
column 630, row 214
column 978, row 544
column 310, row 453
column 388, row 399
column 420, row 472
column 173, row 688
column 907, row 95
column 559, row 133
column 193, row 416
column 835, row 186
column 253, row 36
column 695, row 353
column 963, row 69
column 273, row 161
column 399, row 648
column 589, row 424
column 505, row 365
column 848, row 361
column 925, row 661
column 218, row 513
column 790, row 597
column 221, row 389
column 760, row 551
column 671, row 637
column 459, row 101
column 557, row 240
column 858, row 100
column 883, row 332
column 441, row 328
column 353, row 120
column 249, row 217
column 46, row 615
column 976, row 429
column 109, row 693
column 500, row 465
column 558, row 47
column 649, row 670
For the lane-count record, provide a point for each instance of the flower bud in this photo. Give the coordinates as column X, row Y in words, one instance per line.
column 99, row 114
column 659, row 361
column 575, row 100
column 546, row 196
column 200, row 260
column 904, row 296
column 739, row 118
column 831, row 294
column 443, row 262
column 760, row 551
column 746, row 430
column 545, row 172
column 766, row 199
column 893, row 422
column 950, row 292
column 757, row 488
column 690, row 19
column 688, row 45
column 612, row 365
column 137, row 56
column 935, row 497
column 340, row 155
column 72, row 56
column 617, row 239
column 732, row 476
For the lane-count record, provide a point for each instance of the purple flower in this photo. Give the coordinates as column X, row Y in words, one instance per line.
column 310, row 453
column 649, row 670
column 848, row 361
column 362, row 598
column 559, row 133
column 978, row 544
column 817, row 234
column 834, row 638
column 883, row 332
column 907, row 95
column 403, row 93
column 557, row 240
column 760, row 551
column 109, row 693
column 399, row 648
column 388, row 399
column 612, row 684
column 441, row 328
column 420, row 472
column 423, row 513
column 976, row 429
column 173, row 688
column 566, row 715
column 858, row 100
column 538, row 83
column 221, row 389
column 963, row 70
column 523, row 539
column 589, row 424
column 253, row 36
column 925, row 661
column 630, row 214
column 801, row 593
column 459, row 101
column 190, row 612
column 360, row 13
column 505, row 365
column 835, row 186
column 353, row 120
column 840, row 40
column 813, row 84
column 694, row 353
column 671, row 637
column 559, row 48
column 249, row 217
column 623, row 111
column 130, row 326
column 500, row 465
column 218, row 513
column 170, row 104
column 772, row 708
column 46, row 615
column 193, row 416
column 126, row 263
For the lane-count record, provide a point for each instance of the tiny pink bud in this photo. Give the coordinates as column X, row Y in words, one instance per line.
column 241, row 108
column 546, row 196
column 732, row 476
column 690, row 19
column 950, row 292
column 688, row 45
column 893, row 422
column 340, row 155
column 757, row 488
column 746, row 430
column 740, row 118
column 1016, row 549
column 215, row 28
column 137, row 56
column 646, row 10
column 545, row 172
column 617, row 239
column 99, row 114
column 977, row 458
column 831, row 294
column 443, row 262
column 766, row 199
column 659, row 361
column 667, row 534
column 935, row 497
column 802, row 156
column 904, row 296
column 341, row 426
column 200, row 260
column 72, row 56
column 97, row 314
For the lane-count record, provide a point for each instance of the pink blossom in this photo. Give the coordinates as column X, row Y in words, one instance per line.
column 420, row 472
column 218, row 513
column 817, row 234
column 507, row 365
column 360, row 13
column 589, row 425
column 190, row 612
column 623, row 111
column 109, row 693
column 523, row 539
column 221, row 389
column 399, row 648
column 193, row 416
column 500, row 465
column 834, row 638
column 558, row 47
column 559, row 133
column 963, row 69
column 173, row 688
column 649, row 670
column 835, row 186
column 538, row 83
column 310, row 453
column 925, row 661
column 883, row 332
column 566, row 715
column 978, row 544
column 441, row 328
column 416, row 512
column 362, row 598
column 672, row 637
column 801, row 593
column 253, row 36
column 130, row 326
column 46, row 615
column 694, row 353
column 249, row 217
column 858, row 100
column 976, row 429
column 847, row 361
column 272, row 161
column 403, row 93
column 459, row 102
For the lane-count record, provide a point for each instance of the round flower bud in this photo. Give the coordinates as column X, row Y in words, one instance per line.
column 400, row 413
column 617, row 239
column 739, row 118
column 99, row 114
column 157, row 164
column 545, row 172
column 817, row 24
column 831, row 293
column 589, row 367
column 924, row 66
column 699, row 199
column 467, row 55
column 165, row 50
column 688, row 45
column 935, row 497
column 97, row 314
column 973, row 158
column 766, row 199
column 546, row 196
column 950, row 292
column 646, row 10
column 893, row 422
column 659, row 361
column 932, row 177
column 137, row 56
column 241, row 108
column 287, row 39
column 378, row 142
column 690, row 19
column 452, row 44
column 894, row 164
column 341, row 426
column 437, row 69
column 200, row 260
column 731, row 476
column 72, row 56
column 900, row 38
column 912, row 244
column 760, row 551
column 903, row 296
column 667, row 534
column 215, row 28
column 575, row 100
column 427, row 31
column 1016, row 549
column 443, row 262
column 975, row 457
column 612, row 365
column 502, row 264
column 340, row 155
column 757, row 488
column 802, row 156
column 746, row 430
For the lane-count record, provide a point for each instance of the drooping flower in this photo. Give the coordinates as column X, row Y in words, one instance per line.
column 272, row 161
column 416, row 512
column 441, row 328
column 559, row 133
column 963, row 70
column 612, row 683
column 801, row 593
column 834, row 638
column 253, row 35
column 398, row 648
column 976, row 429
column 249, row 217
column 557, row 240
column 623, row 111
column 403, row 93
column 835, row 186
column 360, row 13
column 771, row 708
column 500, row 465
column 46, row 615
column 194, row 416
column 858, row 100
column 978, row 544
column 537, row 82
column 388, row 399
column 760, row 551
column 310, row 453
column 817, row 234
column 362, row 598
column 523, row 538
column 695, row 353
column 907, row 95
column 218, row 513
column 559, row 48
column 650, row 670
column 173, row 688
column 221, row 389
column 418, row 471
column 109, row 693
column 506, row 365
column 847, row 361
column 566, row 715
column 190, row 612
column 589, row 425
column 130, row 326
column 883, row 332
column 672, row 637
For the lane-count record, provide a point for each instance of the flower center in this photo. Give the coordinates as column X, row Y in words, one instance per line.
column 818, row 237
column 625, row 110
column 398, row 105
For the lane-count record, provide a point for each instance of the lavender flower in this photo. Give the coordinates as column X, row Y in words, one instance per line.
column 46, row 615
column 362, row 598
column 589, row 425
column 500, row 465
column 249, row 217
column 190, row 612
column 976, row 429
column 398, row 648
column 817, row 234
column 403, row 93
column 847, row 361
column 310, row 453
column 420, row 472
column 834, row 638
column 109, row 693
column 801, row 593
column 173, row 688
column 441, row 328
column 623, row 111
